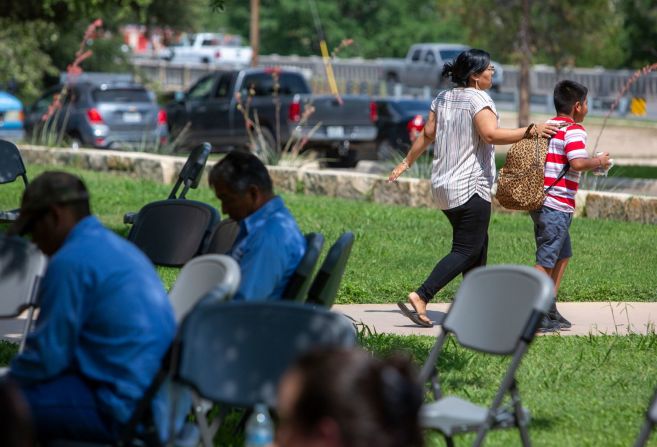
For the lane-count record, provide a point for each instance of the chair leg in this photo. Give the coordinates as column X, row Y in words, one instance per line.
column 518, row 415
column 644, row 435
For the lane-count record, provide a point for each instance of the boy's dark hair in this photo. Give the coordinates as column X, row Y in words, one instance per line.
column 566, row 94
column 240, row 169
column 467, row 63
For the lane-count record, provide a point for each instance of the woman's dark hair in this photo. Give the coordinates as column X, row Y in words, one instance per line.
column 240, row 169
column 566, row 94
column 374, row 402
column 466, row 64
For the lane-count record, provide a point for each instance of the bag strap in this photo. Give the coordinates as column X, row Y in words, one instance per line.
column 563, row 172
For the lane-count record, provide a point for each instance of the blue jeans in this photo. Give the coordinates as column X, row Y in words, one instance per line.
column 66, row 408
column 551, row 231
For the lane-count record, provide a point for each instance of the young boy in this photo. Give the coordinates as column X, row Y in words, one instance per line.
column 566, row 152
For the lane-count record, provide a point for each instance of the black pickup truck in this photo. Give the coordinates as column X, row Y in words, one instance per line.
column 209, row 111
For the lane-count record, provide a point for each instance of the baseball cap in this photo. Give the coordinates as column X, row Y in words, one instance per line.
column 50, row 188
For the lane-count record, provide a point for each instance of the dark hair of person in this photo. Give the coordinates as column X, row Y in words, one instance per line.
column 374, row 402
column 240, row 169
column 566, row 94
column 466, row 64
column 80, row 208
column 15, row 420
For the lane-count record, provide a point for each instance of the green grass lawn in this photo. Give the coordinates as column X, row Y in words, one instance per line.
column 581, row 391
column 396, row 247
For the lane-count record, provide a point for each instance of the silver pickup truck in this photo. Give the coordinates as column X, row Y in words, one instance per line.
column 423, row 66
column 210, row 111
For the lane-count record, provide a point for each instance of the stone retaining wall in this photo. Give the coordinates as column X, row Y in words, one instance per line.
column 333, row 183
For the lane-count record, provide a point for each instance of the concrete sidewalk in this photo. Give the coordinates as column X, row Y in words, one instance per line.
column 615, row 318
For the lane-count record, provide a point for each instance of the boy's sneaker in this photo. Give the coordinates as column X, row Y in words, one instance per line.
column 554, row 314
column 549, row 325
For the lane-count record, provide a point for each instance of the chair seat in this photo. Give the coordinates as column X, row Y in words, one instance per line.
column 453, row 415
column 8, row 216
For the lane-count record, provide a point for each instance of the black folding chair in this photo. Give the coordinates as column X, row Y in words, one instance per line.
column 11, row 167
column 223, row 237
column 235, row 353
column 299, row 283
column 171, row 232
column 496, row 310
column 325, row 286
column 189, row 177
column 649, row 423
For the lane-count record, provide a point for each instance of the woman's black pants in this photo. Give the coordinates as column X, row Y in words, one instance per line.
column 469, row 245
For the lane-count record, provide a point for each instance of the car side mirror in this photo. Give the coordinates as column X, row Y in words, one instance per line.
column 179, row 96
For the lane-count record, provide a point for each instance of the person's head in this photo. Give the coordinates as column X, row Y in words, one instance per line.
column 471, row 68
column 570, row 98
column 52, row 204
column 242, row 184
column 348, row 398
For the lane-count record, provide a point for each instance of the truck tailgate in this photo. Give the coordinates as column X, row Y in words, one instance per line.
column 349, row 119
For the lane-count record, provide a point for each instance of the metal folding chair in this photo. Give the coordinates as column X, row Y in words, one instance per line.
column 325, row 286
column 299, row 283
column 171, row 232
column 223, row 237
column 235, row 353
column 22, row 265
column 11, row 167
column 649, row 423
column 496, row 310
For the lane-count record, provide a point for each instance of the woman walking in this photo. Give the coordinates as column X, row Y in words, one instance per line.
column 463, row 125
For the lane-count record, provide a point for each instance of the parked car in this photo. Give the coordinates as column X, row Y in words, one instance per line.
column 208, row 48
column 210, row 111
column 424, row 63
column 400, row 121
column 103, row 114
column 11, row 117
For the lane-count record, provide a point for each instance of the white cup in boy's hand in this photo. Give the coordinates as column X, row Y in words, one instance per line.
column 605, row 163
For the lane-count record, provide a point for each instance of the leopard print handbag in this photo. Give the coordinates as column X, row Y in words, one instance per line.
column 520, row 183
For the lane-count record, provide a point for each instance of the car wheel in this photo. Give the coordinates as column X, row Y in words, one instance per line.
column 392, row 78
column 74, row 142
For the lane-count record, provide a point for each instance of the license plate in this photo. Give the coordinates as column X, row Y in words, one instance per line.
column 132, row 117
column 334, row 131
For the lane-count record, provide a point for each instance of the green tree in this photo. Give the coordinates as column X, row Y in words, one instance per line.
column 640, row 28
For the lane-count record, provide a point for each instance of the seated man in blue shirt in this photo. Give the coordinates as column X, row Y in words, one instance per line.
column 269, row 245
column 104, row 324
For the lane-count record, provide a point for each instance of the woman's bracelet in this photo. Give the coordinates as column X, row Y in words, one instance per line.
column 405, row 164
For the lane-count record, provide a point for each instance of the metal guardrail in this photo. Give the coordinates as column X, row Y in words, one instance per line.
column 366, row 76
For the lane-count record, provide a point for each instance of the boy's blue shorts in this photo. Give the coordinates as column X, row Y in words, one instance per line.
column 552, row 236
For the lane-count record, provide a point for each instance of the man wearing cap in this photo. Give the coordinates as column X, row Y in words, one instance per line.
column 104, row 324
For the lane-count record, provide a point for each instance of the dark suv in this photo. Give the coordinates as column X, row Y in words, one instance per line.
column 98, row 114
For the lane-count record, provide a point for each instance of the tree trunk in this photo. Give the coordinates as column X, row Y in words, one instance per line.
column 255, row 31
column 524, row 87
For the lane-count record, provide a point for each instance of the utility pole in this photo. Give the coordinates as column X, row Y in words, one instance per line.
column 524, row 86
column 255, row 31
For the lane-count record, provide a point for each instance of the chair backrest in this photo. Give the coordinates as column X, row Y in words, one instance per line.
column 22, row 265
column 171, row 232
column 299, row 283
column 494, row 305
column 11, row 163
column 198, row 277
column 223, row 237
column 236, row 352
column 327, row 281
column 190, row 174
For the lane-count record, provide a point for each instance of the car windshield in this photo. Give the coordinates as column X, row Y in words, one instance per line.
column 450, row 54
column 120, row 95
column 412, row 107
